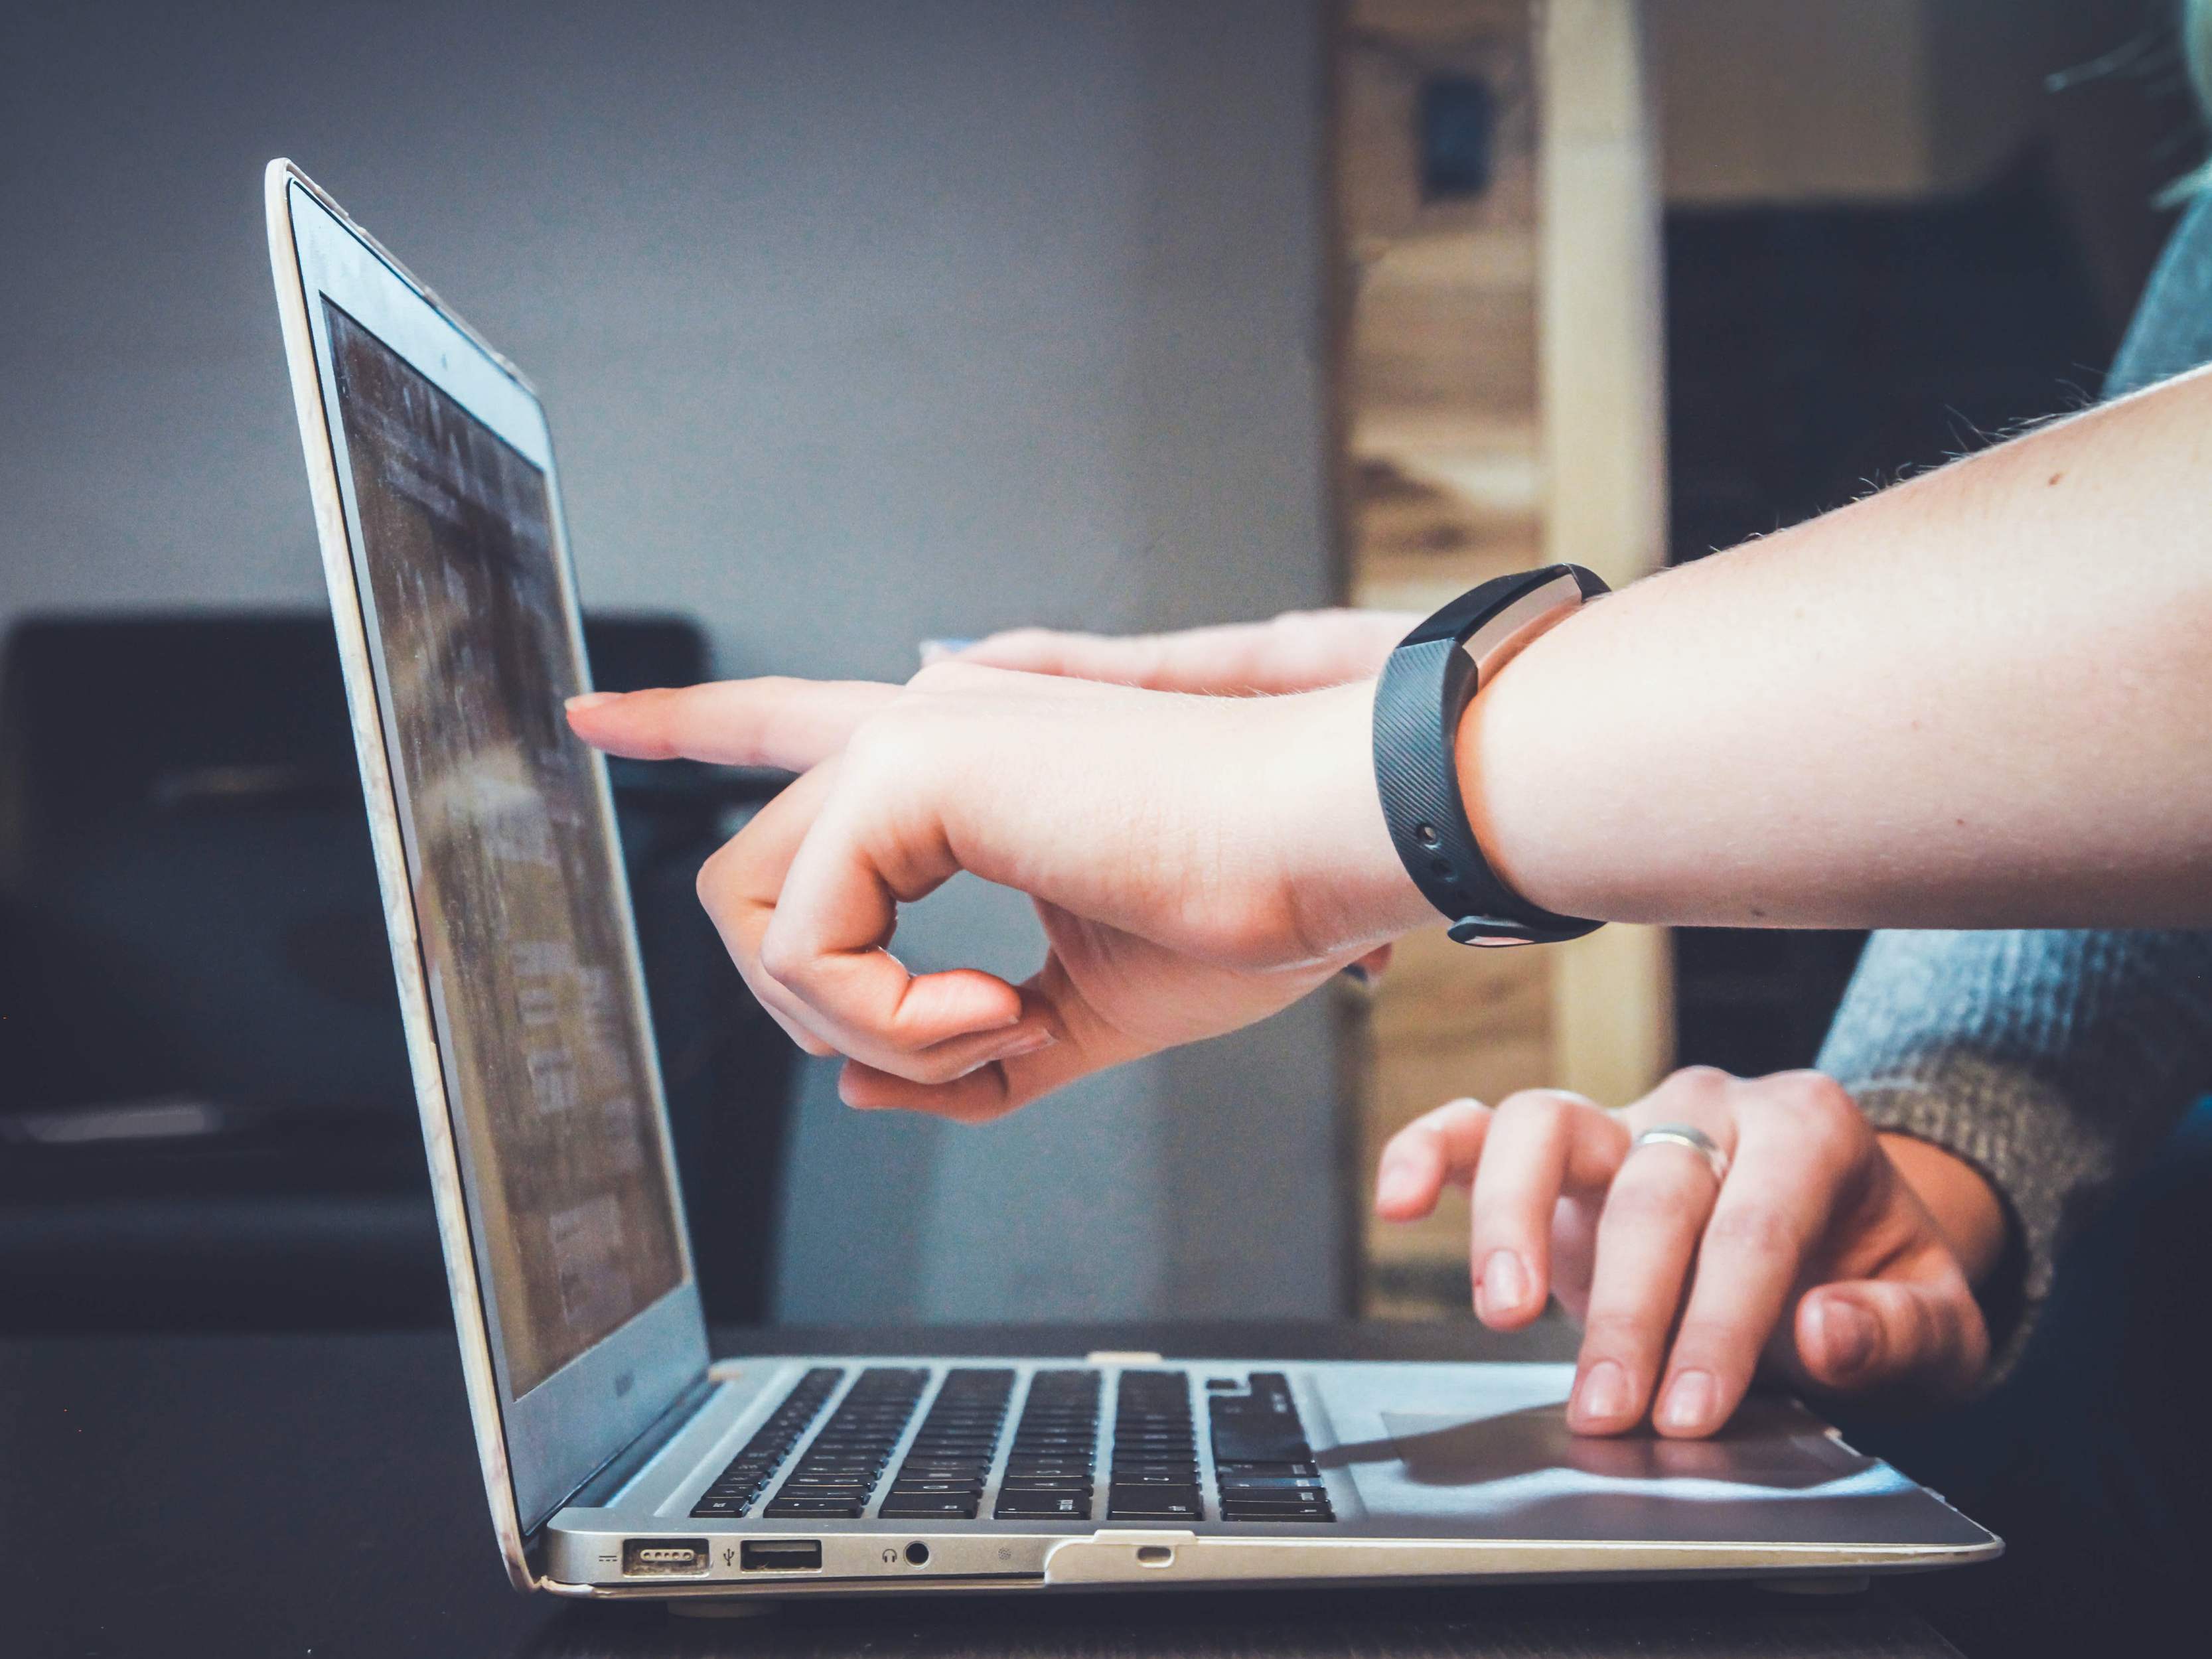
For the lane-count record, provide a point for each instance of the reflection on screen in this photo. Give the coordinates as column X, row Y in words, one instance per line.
column 508, row 853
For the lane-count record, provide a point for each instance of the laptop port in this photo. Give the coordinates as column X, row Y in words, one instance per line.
column 780, row 1555
column 652, row 1558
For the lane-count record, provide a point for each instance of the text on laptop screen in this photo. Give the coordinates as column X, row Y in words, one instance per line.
column 522, row 942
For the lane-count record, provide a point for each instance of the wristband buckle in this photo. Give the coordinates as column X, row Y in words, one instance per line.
column 1425, row 688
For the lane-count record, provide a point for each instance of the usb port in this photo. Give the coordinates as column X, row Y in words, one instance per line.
column 650, row 1557
column 780, row 1555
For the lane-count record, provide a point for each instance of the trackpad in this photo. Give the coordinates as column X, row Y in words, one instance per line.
column 1437, row 1450
column 1521, row 1472
column 1483, row 1451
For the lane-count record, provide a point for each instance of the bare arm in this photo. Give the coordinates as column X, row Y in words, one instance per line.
column 1981, row 698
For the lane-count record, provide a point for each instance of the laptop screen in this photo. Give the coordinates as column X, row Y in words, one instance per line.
column 524, row 944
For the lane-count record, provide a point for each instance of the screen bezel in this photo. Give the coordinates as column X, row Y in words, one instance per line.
column 538, row 1447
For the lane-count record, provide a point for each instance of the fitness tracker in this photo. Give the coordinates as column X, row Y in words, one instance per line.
column 1426, row 685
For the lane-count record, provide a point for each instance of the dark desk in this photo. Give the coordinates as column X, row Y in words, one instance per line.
column 318, row 1496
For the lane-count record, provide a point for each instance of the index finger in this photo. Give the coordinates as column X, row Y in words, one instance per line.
column 790, row 724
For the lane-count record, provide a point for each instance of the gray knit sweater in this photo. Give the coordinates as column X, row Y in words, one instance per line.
column 2054, row 1062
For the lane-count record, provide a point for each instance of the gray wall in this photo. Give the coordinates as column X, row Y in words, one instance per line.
column 858, row 322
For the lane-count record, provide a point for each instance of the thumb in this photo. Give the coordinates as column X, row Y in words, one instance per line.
column 1922, row 1338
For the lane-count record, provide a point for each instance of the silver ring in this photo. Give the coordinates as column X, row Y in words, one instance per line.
column 1689, row 1135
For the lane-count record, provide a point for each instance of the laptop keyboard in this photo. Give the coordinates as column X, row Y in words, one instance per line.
column 1263, row 1466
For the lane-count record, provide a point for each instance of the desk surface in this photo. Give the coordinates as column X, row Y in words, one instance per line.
column 318, row 1496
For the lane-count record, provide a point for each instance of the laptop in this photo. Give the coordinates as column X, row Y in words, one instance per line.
column 618, row 1461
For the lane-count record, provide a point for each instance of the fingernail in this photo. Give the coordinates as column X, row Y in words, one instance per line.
column 1689, row 1402
column 592, row 700
column 1848, row 1332
column 936, row 651
column 1504, row 1285
column 1603, row 1392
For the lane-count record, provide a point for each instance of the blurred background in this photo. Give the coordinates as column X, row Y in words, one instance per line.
column 860, row 323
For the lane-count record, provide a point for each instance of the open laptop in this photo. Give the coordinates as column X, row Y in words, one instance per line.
column 615, row 1461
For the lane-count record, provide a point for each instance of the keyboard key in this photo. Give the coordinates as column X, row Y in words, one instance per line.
column 1153, row 1477
column 1180, row 1503
column 1043, row 1507
column 1277, row 1512
column 797, row 1507
column 896, row 1508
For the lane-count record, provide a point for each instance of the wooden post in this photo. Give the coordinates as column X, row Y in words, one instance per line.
column 1604, row 410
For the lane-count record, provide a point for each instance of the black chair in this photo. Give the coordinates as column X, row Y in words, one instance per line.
column 206, row 1120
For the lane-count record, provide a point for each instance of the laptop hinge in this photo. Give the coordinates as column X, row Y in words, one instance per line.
column 619, row 1470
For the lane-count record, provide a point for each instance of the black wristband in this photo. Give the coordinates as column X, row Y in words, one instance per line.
column 1425, row 688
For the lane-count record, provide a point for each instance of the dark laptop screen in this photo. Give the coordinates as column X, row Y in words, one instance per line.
column 508, row 851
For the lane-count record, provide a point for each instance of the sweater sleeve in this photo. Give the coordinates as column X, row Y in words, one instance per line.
column 2055, row 1063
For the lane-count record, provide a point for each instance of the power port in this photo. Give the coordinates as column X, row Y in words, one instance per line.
column 657, row 1558
column 780, row 1555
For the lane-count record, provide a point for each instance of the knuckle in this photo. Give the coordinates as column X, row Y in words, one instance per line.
column 1545, row 1109
column 1817, row 1099
column 1617, row 1334
column 714, row 873
column 940, row 675
column 775, row 689
column 1826, row 1122
column 1817, row 1091
column 1452, row 1114
column 1699, row 1080
column 955, row 676
column 783, row 959
column 882, row 736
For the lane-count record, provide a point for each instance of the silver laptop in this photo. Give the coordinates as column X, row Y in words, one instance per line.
column 618, row 1459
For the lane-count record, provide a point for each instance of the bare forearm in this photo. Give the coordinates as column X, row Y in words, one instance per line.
column 1981, row 698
